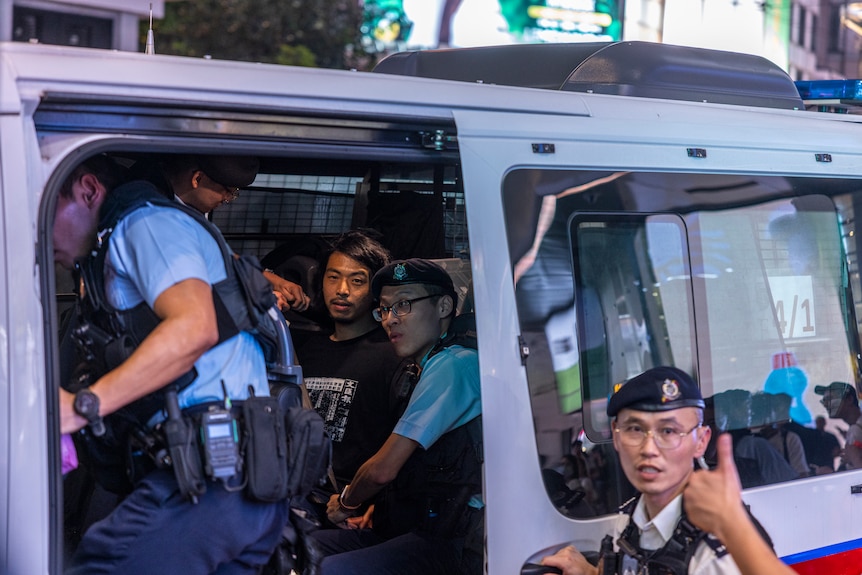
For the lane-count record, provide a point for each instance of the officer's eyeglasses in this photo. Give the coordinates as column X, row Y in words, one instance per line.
column 399, row 308
column 232, row 194
column 634, row 435
column 231, row 191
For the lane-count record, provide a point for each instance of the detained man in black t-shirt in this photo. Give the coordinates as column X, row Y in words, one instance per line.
column 349, row 373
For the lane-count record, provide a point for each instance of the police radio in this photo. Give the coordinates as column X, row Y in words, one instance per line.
column 220, row 442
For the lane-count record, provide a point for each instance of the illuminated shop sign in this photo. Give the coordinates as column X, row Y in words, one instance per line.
column 410, row 24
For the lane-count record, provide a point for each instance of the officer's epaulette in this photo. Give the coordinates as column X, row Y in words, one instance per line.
column 628, row 507
column 719, row 548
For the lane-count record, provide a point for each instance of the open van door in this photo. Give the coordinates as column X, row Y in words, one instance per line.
column 24, row 458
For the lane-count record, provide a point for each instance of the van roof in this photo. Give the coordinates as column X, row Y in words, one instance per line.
column 642, row 69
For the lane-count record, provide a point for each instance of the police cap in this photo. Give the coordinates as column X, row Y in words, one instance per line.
column 657, row 389
column 230, row 171
column 412, row 271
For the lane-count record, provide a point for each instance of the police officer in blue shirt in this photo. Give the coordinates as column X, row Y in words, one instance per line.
column 163, row 259
column 425, row 482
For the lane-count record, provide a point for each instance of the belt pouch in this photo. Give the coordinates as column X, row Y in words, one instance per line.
column 266, row 449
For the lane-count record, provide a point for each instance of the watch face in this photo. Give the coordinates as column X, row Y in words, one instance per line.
column 86, row 404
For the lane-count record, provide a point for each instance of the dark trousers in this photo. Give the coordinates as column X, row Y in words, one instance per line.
column 362, row 552
column 154, row 530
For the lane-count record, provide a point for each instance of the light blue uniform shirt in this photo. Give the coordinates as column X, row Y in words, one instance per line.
column 155, row 248
column 446, row 397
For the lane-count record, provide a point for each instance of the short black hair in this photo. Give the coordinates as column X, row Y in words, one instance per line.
column 109, row 172
column 362, row 245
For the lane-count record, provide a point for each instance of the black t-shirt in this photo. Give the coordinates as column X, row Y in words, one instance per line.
column 349, row 385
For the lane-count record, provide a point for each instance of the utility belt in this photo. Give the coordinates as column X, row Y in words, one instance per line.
column 241, row 445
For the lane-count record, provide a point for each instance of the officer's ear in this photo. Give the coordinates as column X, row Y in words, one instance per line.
column 90, row 190
column 703, row 435
column 195, row 179
column 445, row 305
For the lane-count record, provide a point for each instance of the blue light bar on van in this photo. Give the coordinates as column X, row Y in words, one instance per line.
column 813, row 90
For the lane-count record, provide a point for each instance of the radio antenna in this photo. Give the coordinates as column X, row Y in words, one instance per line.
column 151, row 43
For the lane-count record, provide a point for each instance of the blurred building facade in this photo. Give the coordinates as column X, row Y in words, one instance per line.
column 811, row 39
column 111, row 24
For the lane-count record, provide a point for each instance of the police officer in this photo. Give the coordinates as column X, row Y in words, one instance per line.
column 206, row 182
column 658, row 431
column 161, row 258
column 426, row 480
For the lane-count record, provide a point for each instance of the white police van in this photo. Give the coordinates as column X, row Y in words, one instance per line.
column 605, row 208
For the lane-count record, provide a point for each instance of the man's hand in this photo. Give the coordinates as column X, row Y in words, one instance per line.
column 336, row 513
column 713, row 500
column 363, row 521
column 713, row 503
column 571, row 561
column 288, row 294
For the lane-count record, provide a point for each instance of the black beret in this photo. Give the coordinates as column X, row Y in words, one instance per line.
column 412, row 271
column 230, row 171
column 657, row 389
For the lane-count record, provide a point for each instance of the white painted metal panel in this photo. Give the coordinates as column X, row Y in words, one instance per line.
column 642, row 135
column 24, row 450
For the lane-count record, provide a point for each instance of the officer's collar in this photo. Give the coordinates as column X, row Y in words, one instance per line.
column 666, row 520
column 432, row 349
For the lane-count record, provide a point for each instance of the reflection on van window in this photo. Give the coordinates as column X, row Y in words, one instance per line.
column 748, row 282
column 641, row 320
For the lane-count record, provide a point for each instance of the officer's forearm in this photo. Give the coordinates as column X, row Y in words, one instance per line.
column 188, row 329
column 367, row 482
column 380, row 469
column 749, row 551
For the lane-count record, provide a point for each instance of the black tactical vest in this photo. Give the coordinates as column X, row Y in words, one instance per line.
column 107, row 336
column 674, row 557
column 432, row 490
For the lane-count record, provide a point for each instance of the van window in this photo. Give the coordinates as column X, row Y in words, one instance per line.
column 419, row 208
column 742, row 281
column 655, row 249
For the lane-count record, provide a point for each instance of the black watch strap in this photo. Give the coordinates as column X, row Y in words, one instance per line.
column 86, row 405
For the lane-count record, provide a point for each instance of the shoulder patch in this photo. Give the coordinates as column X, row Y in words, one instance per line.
column 628, row 507
column 715, row 544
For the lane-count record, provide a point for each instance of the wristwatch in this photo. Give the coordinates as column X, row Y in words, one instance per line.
column 86, row 405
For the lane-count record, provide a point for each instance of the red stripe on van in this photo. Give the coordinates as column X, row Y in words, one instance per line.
column 846, row 563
